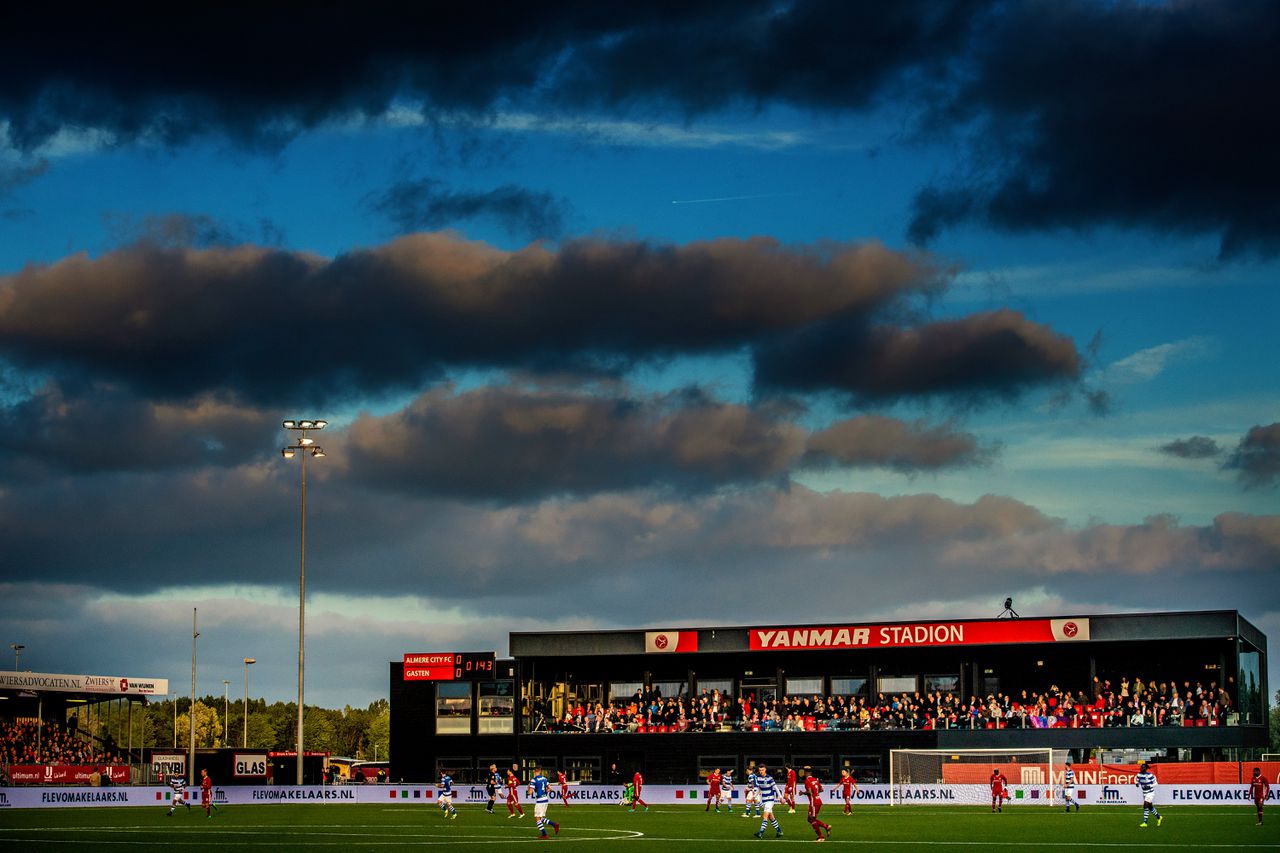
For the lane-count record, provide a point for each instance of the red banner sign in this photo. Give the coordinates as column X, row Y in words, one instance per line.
column 989, row 632
column 429, row 667
column 63, row 774
column 670, row 641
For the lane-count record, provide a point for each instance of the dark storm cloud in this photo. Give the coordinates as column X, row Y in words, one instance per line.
column 131, row 532
column 260, row 73
column 102, row 428
column 1152, row 115
column 426, row 204
column 997, row 354
column 181, row 322
column 820, row 53
column 1077, row 113
column 1196, row 447
column 509, row 444
column 878, row 440
column 1257, row 457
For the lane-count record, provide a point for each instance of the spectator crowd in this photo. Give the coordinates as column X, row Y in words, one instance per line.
column 1129, row 703
column 57, row 745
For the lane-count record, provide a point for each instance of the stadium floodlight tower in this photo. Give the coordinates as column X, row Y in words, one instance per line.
column 191, row 712
column 248, row 662
column 17, row 655
column 308, row 447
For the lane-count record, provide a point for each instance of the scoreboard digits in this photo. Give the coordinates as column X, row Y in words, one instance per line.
column 449, row 666
column 473, row 665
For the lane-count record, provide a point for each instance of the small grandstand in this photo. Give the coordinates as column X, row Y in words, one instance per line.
column 677, row 703
column 43, row 740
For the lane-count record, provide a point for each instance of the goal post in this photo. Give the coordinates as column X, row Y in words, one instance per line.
column 963, row 776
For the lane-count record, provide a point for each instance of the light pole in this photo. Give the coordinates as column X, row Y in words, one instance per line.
column 17, row 655
column 226, row 723
column 191, row 712
column 308, row 447
column 248, row 662
column 175, row 719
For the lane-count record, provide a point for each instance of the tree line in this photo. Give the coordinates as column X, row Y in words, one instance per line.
column 363, row 733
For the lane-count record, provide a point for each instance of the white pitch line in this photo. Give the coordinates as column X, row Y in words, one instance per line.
column 1174, row 843
column 426, row 839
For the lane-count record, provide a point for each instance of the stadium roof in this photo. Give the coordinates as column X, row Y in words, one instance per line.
column 1184, row 625
column 91, row 688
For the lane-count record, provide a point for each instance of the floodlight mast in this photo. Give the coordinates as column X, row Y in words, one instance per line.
column 248, row 662
column 307, row 444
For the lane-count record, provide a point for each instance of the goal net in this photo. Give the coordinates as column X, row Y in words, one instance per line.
column 963, row 776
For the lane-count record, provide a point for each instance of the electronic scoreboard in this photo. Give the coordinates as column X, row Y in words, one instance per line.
column 449, row 666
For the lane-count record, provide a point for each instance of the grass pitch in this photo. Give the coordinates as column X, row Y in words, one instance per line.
column 286, row 828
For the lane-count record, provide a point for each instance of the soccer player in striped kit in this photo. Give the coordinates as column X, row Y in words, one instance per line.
column 768, row 790
column 1069, row 788
column 751, row 794
column 540, row 790
column 178, row 784
column 446, row 796
column 1146, row 781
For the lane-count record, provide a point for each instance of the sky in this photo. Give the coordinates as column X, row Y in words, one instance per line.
column 754, row 313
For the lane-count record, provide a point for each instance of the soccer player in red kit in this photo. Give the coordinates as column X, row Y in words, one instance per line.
column 513, row 795
column 206, row 792
column 847, row 786
column 999, row 790
column 813, row 790
column 1259, row 788
column 713, row 790
column 638, row 782
column 789, row 790
column 564, row 787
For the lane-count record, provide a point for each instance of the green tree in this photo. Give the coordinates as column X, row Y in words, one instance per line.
column 318, row 733
column 379, row 734
column 208, row 726
column 349, row 731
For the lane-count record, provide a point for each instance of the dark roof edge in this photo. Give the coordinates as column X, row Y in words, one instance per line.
column 1150, row 614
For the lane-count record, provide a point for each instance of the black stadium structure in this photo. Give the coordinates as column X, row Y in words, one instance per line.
column 1080, row 683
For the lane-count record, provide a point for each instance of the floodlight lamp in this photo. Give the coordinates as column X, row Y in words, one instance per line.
column 290, row 424
column 317, row 452
column 321, row 424
column 304, row 441
column 306, row 425
column 287, row 453
column 250, row 660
